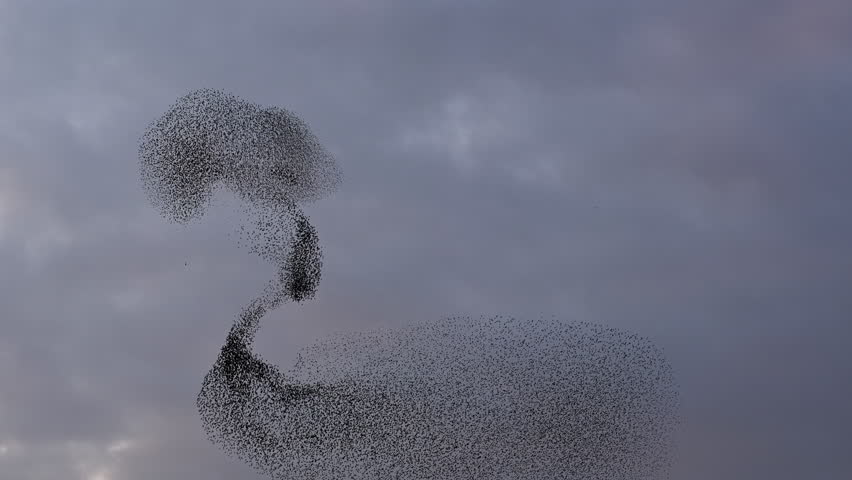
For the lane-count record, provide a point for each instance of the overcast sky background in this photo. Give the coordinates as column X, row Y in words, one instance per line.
column 679, row 169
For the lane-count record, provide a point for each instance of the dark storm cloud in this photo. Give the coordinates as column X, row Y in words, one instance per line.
column 689, row 184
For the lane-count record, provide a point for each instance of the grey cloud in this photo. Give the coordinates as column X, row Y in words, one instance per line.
column 696, row 194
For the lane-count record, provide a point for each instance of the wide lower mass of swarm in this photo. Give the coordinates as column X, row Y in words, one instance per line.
column 459, row 398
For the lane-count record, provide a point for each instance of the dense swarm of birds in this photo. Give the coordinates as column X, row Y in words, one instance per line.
column 458, row 398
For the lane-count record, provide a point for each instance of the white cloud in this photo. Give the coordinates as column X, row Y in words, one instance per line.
column 453, row 132
column 99, row 462
column 467, row 124
column 10, row 449
column 100, row 475
column 120, row 446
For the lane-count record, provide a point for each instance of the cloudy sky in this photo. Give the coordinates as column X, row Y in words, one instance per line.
column 675, row 168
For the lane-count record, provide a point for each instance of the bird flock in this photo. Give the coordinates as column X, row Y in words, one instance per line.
column 456, row 398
